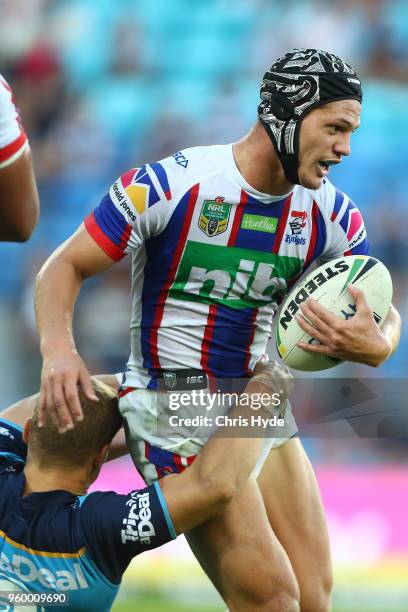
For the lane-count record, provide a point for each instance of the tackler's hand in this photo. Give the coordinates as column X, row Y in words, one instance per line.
column 275, row 378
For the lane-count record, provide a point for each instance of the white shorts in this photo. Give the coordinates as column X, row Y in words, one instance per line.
column 158, row 449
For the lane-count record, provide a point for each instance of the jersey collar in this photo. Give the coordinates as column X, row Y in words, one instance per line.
column 265, row 198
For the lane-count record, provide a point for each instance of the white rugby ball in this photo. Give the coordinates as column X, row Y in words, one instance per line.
column 328, row 285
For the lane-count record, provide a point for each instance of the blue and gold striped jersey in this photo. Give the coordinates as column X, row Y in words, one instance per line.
column 56, row 541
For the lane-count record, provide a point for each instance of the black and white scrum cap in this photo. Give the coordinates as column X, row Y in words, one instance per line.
column 296, row 83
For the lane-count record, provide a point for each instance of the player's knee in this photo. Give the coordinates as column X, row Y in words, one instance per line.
column 267, row 594
column 316, row 596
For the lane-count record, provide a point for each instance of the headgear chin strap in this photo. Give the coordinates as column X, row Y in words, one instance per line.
column 297, row 82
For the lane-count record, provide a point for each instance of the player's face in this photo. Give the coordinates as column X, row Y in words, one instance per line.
column 324, row 138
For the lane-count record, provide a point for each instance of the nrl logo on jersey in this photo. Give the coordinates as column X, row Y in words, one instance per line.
column 170, row 379
column 214, row 216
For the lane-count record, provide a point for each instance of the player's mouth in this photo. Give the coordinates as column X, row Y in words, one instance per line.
column 324, row 166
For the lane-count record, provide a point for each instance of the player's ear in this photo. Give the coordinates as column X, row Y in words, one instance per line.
column 26, row 430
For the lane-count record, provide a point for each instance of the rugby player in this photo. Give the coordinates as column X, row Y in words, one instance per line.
column 19, row 206
column 217, row 235
column 55, row 537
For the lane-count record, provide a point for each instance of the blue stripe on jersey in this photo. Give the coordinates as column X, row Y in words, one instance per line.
column 144, row 178
column 12, row 457
column 82, row 498
column 321, row 234
column 339, row 199
column 344, row 221
column 110, row 220
column 263, row 240
column 165, row 510
column 233, row 332
column 11, row 424
column 159, row 250
column 361, row 249
column 162, row 178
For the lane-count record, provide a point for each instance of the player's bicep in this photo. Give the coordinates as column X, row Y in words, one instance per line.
column 119, row 527
column 347, row 233
column 82, row 253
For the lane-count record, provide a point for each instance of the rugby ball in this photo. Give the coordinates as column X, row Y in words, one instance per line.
column 328, row 285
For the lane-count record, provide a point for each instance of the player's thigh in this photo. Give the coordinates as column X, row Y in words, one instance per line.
column 295, row 510
column 242, row 556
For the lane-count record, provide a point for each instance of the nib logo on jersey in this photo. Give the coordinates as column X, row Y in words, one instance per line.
column 137, row 525
column 234, row 277
column 296, row 225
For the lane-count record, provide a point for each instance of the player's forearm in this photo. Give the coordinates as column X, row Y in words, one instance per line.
column 392, row 328
column 57, row 288
column 22, row 410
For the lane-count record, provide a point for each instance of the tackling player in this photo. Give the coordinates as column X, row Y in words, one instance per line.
column 55, row 537
column 217, row 235
column 19, row 206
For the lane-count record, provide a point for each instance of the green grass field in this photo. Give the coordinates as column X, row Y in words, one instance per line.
column 158, row 604
column 158, row 585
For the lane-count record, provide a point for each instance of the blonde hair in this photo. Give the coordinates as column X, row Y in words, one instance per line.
column 100, row 423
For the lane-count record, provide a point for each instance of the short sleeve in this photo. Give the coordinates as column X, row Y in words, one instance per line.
column 13, row 140
column 13, row 449
column 116, row 527
column 137, row 207
column 346, row 232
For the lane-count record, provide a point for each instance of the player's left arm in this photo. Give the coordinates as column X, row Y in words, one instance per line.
column 19, row 204
column 358, row 339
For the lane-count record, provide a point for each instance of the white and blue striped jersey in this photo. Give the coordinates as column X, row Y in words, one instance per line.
column 212, row 257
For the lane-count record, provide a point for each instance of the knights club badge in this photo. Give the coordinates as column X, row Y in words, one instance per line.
column 214, row 216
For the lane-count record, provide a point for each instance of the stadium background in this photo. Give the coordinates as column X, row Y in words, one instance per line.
column 109, row 85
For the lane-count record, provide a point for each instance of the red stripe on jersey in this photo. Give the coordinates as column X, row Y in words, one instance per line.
column 250, row 341
column 5, row 84
column 355, row 222
column 313, row 235
column 238, row 218
column 208, row 334
column 212, row 313
column 127, row 177
column 177, row 462
column 12, row 148
column 333, row 216
column 282, row 225
column 147, row 450
column 173, row 269
column 124, row 239
column 348, row 253
column 125, row 391
column 116, row 253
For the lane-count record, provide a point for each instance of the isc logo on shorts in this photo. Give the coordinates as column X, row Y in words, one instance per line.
column 137, row 525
